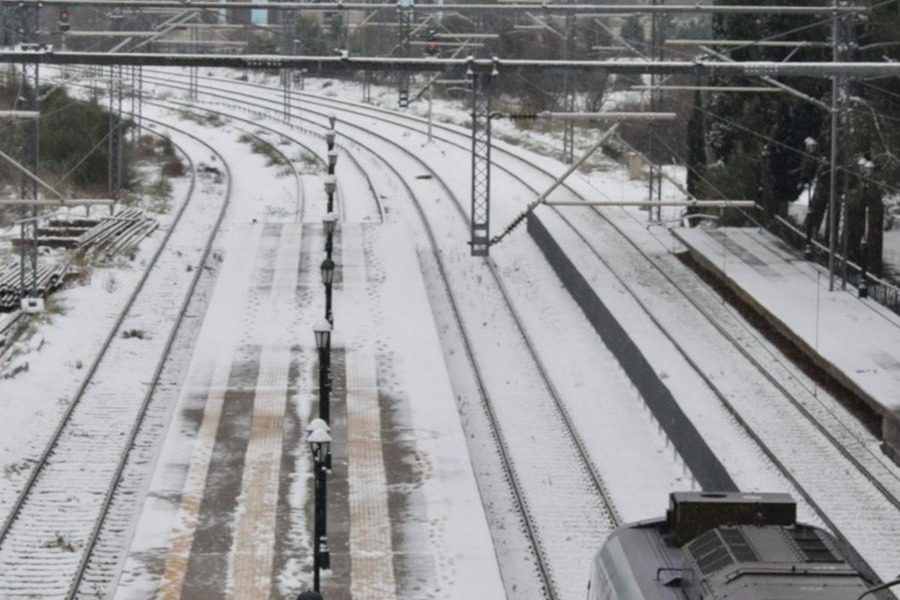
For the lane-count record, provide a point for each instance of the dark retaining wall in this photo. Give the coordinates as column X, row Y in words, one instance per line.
column 703, row 463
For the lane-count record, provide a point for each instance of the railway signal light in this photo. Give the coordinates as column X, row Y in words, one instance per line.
column 64, row 19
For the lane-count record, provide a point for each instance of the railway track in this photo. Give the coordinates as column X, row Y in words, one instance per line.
column 873, row 468
column 319, row 155
column 537, row 508
column 53, row 529
column 825, row 419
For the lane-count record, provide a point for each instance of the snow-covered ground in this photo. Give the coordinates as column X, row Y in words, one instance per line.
column 404, row 349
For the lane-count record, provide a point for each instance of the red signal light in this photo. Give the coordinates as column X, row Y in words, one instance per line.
column 63, row 19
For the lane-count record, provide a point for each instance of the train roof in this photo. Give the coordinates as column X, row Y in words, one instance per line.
column 732, row 546
column 740, row 562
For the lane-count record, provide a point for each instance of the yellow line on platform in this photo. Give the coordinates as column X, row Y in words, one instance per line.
column 195, row 483
column 254, row 540
column 371, row 553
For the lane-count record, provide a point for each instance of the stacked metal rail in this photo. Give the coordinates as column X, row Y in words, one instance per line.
column 117, row 234
column 105, row 237
column 11, row 291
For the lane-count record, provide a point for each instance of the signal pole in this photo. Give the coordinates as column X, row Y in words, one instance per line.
column 481, row 163
column 841, row 36
column 405, row 17
column 656, row 54
column 569, row 92
column 27, row 19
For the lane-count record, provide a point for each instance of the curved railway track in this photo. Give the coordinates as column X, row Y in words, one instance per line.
column 852, row 448
column 873, row 468
column 48, row 536
column 570, row 435
column 882, row 476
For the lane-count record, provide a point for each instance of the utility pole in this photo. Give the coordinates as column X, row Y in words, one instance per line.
column 405, row 17
column 481, row 163
column 114, row 175
column 286, row 79
column 847, row 25
column 841, row 34
column 193, row 71
column 569, row 92
column 656, row 54
column 27, row 19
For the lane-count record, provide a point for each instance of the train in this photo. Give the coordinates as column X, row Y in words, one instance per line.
column 729, row 545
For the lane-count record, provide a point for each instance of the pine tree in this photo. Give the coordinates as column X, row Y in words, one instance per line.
column 761, row 134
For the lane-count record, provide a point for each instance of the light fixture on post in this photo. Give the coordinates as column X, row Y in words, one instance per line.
column 330, row 187
column 332, row 161
column 329, row 224
column 322, row 330
column 329, row 138
column 332, row 120
column 327, row 270
column 319, row 441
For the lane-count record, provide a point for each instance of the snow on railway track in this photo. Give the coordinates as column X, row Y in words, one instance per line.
column 804, row 435
column 47, row 536
column 525, row 406
column 789, row 415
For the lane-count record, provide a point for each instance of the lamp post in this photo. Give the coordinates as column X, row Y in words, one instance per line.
column 322, row 330
column 319, row 441
column 330, row 186
column 327, row 269
column 329, row 224
column 332, row 161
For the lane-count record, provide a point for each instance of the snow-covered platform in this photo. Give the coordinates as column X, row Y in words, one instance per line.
column 229, row 511
column 857, row 341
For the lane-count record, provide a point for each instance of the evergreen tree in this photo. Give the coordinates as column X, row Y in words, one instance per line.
column 757, row 137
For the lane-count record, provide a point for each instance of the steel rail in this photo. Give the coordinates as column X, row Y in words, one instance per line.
column 502, row 446
column 512, row 476
column 592, row 470
column 167, row 82
column 170, row 341
column 719, row 394
column 48, row 450
column 589, row 468
column 281, row 132
column 722, row 396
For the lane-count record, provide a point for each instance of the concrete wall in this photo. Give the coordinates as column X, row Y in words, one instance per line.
column 699, row 458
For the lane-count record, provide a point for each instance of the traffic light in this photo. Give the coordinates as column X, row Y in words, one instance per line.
column 431, row 48
column 64, row 18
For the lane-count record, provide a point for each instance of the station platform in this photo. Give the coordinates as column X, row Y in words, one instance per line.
column 229, row 511
column 855, row 340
